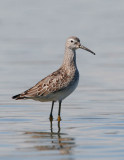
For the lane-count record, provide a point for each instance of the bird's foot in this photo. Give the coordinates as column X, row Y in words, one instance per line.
column 51, row 118
column 59, row 118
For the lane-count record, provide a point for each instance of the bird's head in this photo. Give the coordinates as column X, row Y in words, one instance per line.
column 74, row 43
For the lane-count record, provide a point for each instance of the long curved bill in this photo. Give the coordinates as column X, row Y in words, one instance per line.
column 82, row 47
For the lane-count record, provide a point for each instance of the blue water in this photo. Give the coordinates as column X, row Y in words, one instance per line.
column 32, row 39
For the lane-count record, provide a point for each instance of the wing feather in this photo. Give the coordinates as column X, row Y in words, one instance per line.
column 52, row 83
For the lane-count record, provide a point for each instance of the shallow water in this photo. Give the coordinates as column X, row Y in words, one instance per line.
column 32, row 40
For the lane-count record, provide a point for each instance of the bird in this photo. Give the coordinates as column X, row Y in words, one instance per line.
column 59, row 84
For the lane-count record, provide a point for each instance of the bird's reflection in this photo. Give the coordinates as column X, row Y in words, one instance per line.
column 52, row 140
column 51, row 127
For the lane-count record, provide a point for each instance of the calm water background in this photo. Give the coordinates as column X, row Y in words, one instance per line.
column 32, row 39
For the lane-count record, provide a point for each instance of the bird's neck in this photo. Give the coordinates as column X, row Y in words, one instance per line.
column 69, row 58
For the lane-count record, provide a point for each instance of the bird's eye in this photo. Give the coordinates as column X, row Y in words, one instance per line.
column 72, row 41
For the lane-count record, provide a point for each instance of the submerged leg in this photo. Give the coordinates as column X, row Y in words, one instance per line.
column 51, row 116
column 59, row 117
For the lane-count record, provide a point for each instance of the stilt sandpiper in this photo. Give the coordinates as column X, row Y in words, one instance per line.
column 61, row 83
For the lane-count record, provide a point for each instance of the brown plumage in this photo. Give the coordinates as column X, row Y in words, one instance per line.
column 56, row 81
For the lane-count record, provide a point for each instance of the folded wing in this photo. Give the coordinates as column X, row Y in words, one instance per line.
column 54, row 82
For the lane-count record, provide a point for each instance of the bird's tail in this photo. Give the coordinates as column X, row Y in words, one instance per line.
column 18, row 96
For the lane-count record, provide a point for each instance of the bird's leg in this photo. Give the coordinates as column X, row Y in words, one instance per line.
column 51, row 116
column 59, row 118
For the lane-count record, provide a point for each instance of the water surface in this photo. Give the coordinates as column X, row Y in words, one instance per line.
column 33, row 35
